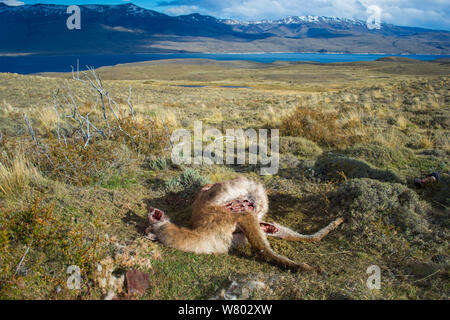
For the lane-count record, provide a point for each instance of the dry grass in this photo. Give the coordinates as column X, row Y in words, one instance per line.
column 316, row 125
column 16, row 174
column 389, row 120
column 426, row 142
column 46, row 118
column 6, row 108
column 402, row 122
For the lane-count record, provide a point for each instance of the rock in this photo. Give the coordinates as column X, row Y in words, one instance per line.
column 110, row 296
column 239, row 290
column 137, row 282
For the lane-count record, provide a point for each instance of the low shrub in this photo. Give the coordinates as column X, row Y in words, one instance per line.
column 75, row 163
column 315, row 125
column 158, row 163
column 299, row 146
column 382, row 156
column 37, row 245
column 380, row 212
column 188, row 182
column 338, row 167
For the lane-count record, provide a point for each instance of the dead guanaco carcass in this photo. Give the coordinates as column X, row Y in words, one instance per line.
column 227, row 214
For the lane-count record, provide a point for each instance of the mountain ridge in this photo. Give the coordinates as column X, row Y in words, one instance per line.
column 128, row 28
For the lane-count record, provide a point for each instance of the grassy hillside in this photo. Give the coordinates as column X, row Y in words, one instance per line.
column 354, row 136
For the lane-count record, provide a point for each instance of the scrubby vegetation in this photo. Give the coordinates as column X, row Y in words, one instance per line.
column 367, row 201
column 337, row 167
column 83, row 158
column 16, row 172
column 299, row 146
column 316, row 125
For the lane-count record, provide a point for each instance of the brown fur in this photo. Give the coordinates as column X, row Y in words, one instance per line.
column 225, row 215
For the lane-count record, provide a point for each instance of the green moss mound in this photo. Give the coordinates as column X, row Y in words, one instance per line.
column 374, row 209
column 299, row 146
column 336, row 167
column 382, row 156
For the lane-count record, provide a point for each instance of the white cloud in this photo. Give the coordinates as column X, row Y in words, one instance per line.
column 122, row 29
column 424, row 13
column 180, row 10
column 12, row 3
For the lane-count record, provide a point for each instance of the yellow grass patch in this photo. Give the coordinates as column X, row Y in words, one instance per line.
column 16, row 174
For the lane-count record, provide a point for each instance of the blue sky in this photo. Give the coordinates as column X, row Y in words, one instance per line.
column 419, row 13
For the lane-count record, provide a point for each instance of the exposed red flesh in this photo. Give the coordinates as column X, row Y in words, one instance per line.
column 158, row 214
column 268, row 228
column 240, row 205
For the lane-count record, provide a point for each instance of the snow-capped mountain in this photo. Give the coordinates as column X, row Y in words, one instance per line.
column 127, row 28
column 298, row 20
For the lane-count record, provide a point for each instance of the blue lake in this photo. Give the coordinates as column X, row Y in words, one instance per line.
column 39, row 63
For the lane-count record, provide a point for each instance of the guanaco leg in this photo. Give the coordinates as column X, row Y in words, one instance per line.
column 275, row 230
column 249, row 225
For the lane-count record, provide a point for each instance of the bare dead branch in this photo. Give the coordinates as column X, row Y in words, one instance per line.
column 23, row 258
column 30, row 129
column 130, row 105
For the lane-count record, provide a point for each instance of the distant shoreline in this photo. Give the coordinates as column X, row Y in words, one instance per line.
column 7, row 54
column 21, row 54
column 34, row 63
column 331, row 53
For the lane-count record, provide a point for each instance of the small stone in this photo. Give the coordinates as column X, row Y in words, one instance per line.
column 137, row 282
column 110, row 296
